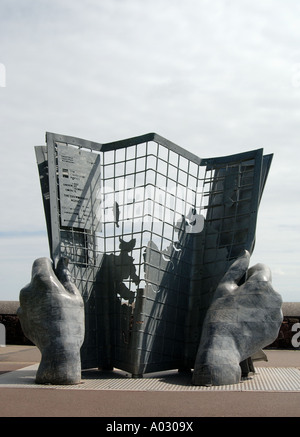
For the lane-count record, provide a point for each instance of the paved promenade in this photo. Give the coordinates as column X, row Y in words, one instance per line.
column 274, row 391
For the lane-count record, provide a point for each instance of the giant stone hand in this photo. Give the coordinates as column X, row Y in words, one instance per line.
column 52, row 316
column 241, row 320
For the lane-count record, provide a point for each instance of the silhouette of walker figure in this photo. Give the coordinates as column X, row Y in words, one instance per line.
column 122, row 268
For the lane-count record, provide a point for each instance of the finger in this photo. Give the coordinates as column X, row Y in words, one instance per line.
column 43, row 274
column 260, row 272
column 237, row 270
column 64, row 276
column 43, row 280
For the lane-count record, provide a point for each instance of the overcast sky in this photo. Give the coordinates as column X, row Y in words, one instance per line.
column 216, row 77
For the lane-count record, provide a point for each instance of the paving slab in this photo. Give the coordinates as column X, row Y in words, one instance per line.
column 281, row 379
column 273, row 391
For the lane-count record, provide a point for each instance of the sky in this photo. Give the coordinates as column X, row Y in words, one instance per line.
column 216, row 77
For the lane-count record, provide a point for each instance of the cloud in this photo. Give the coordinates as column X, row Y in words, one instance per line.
column 17, row 253
column 214, row 77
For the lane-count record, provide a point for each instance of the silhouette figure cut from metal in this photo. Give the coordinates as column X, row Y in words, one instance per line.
column 122, row 267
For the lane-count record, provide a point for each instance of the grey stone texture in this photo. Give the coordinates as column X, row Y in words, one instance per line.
column 241, row 320
column 52, row 316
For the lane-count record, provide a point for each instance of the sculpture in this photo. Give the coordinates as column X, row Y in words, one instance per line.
column 52, row 316
column 184, row 220
column 241, row 320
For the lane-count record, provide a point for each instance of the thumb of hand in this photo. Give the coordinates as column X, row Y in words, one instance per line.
column 64, row 276
column 234, row 274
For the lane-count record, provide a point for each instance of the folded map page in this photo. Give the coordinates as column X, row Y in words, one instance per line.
column 149, row 230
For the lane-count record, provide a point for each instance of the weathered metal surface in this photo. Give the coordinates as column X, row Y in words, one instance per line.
column 79, row 188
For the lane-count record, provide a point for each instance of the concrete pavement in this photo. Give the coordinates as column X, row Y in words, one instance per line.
column 39, row 401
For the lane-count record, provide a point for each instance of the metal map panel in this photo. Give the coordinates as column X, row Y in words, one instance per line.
column 150, row 231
